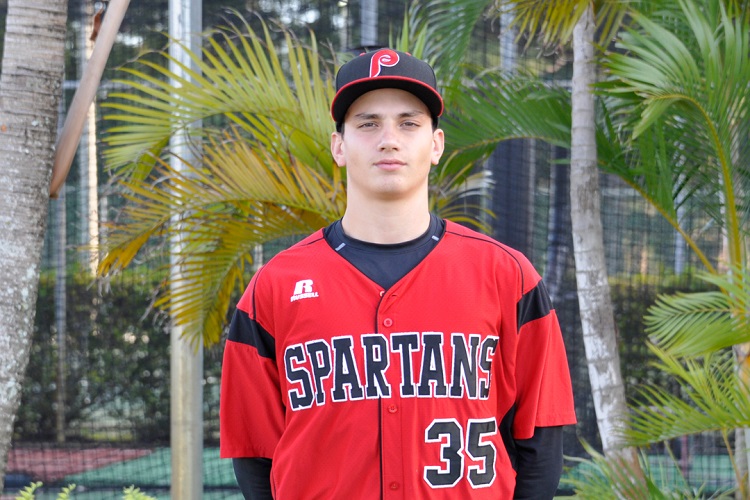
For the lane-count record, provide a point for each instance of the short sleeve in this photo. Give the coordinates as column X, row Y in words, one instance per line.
column 251, row 412
column 544, row 389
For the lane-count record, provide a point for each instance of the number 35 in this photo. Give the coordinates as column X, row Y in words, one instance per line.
column 451, row 435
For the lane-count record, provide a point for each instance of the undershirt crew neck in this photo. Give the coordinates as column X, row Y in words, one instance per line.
column 385, row 264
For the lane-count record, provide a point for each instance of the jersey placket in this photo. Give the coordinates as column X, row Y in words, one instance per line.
column 391, row 424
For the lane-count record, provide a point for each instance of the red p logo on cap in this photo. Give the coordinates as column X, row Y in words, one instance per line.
column 384, row 57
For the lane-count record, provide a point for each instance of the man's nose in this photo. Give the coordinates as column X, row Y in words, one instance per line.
column 388, row 137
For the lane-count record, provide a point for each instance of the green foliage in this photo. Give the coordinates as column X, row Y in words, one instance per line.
column 712, row 398
column 264, row 170
column 116, row 367
column 690, row 339
column 679, row 84
column 133, row 493
column 632, row 296
column 672, row 124
column 28, row 492
column 598, row 478
column 679, row 92
column 65, row 492
column 130, row 493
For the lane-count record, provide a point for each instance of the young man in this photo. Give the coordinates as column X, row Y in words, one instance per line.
column 393, row 354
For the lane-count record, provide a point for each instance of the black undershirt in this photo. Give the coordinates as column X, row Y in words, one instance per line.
column 538, row 460
column 385, row 264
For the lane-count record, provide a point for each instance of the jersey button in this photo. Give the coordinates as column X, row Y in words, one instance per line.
column 394, row 485
column 382, row 292
column 387, row 322
column 392, row 409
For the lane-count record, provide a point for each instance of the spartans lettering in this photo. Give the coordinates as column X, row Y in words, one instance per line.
column 421, row 365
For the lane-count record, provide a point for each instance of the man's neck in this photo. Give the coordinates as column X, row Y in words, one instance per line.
column 386, row 223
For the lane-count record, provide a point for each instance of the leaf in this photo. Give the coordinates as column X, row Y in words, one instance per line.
column 697, row 324
column 713, row 399
column 600, row 477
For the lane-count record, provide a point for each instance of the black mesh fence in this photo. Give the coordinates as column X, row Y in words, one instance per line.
column 95, row 404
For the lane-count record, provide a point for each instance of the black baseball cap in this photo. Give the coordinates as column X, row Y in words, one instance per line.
column 385, row 68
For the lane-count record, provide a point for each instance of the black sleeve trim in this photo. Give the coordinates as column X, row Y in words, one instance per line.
column 245, row 330
column 534, row 304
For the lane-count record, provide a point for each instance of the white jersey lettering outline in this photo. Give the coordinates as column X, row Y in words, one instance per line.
column 319, row 370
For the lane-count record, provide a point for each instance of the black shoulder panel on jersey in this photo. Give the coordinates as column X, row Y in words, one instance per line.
column 244, row 330
column 534, row 304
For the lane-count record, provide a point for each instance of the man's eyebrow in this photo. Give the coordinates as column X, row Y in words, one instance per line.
column 377, row 116
column 411, row 114
column 367, row 116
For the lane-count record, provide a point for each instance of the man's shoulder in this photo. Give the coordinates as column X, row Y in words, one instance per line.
column 478, row 247
column 300, row 252
column 288, row 265
column 480, row 239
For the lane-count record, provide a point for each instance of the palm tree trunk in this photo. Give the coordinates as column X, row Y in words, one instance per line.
column 30, row 90
column 597, row 317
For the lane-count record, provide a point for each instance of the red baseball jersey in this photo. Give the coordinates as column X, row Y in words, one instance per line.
column 359, row 392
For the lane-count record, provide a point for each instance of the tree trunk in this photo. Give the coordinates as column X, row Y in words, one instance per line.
column 30, row 91
column 595, row 303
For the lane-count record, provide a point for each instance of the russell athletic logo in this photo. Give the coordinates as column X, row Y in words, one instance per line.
column 303, row 290
column 385, row 57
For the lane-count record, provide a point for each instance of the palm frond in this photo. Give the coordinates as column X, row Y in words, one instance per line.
column 450, row 25
column 553, row 20
column 497, row 108
column 713, row 399
column 458, row 196
column 599, row 477
column 414, row 34
column 240, row 197
column 679, row 323
column 235, row 177
column 690, row 76
column 660, row 166
column 240, row 79
column 215, row 263
column 695, row 324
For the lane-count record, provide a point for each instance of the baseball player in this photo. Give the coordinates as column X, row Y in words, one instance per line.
column 394, row 354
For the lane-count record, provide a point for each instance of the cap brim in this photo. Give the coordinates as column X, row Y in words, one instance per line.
column 352, row 91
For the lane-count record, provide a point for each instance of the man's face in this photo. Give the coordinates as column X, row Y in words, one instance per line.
column 387, row 145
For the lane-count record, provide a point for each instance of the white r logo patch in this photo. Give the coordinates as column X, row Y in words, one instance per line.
column 304, row 286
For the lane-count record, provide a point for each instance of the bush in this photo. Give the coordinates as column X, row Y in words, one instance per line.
column 116, row 363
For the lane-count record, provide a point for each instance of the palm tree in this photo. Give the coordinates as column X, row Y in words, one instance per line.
column 30, row 94
column 670, row 125
column 680, row 92
column 674, row 108
column 501, row 108
column 264, row 173
column 691, row 334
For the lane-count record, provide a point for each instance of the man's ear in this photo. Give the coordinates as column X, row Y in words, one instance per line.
column 337, row 148
column 438, row 145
